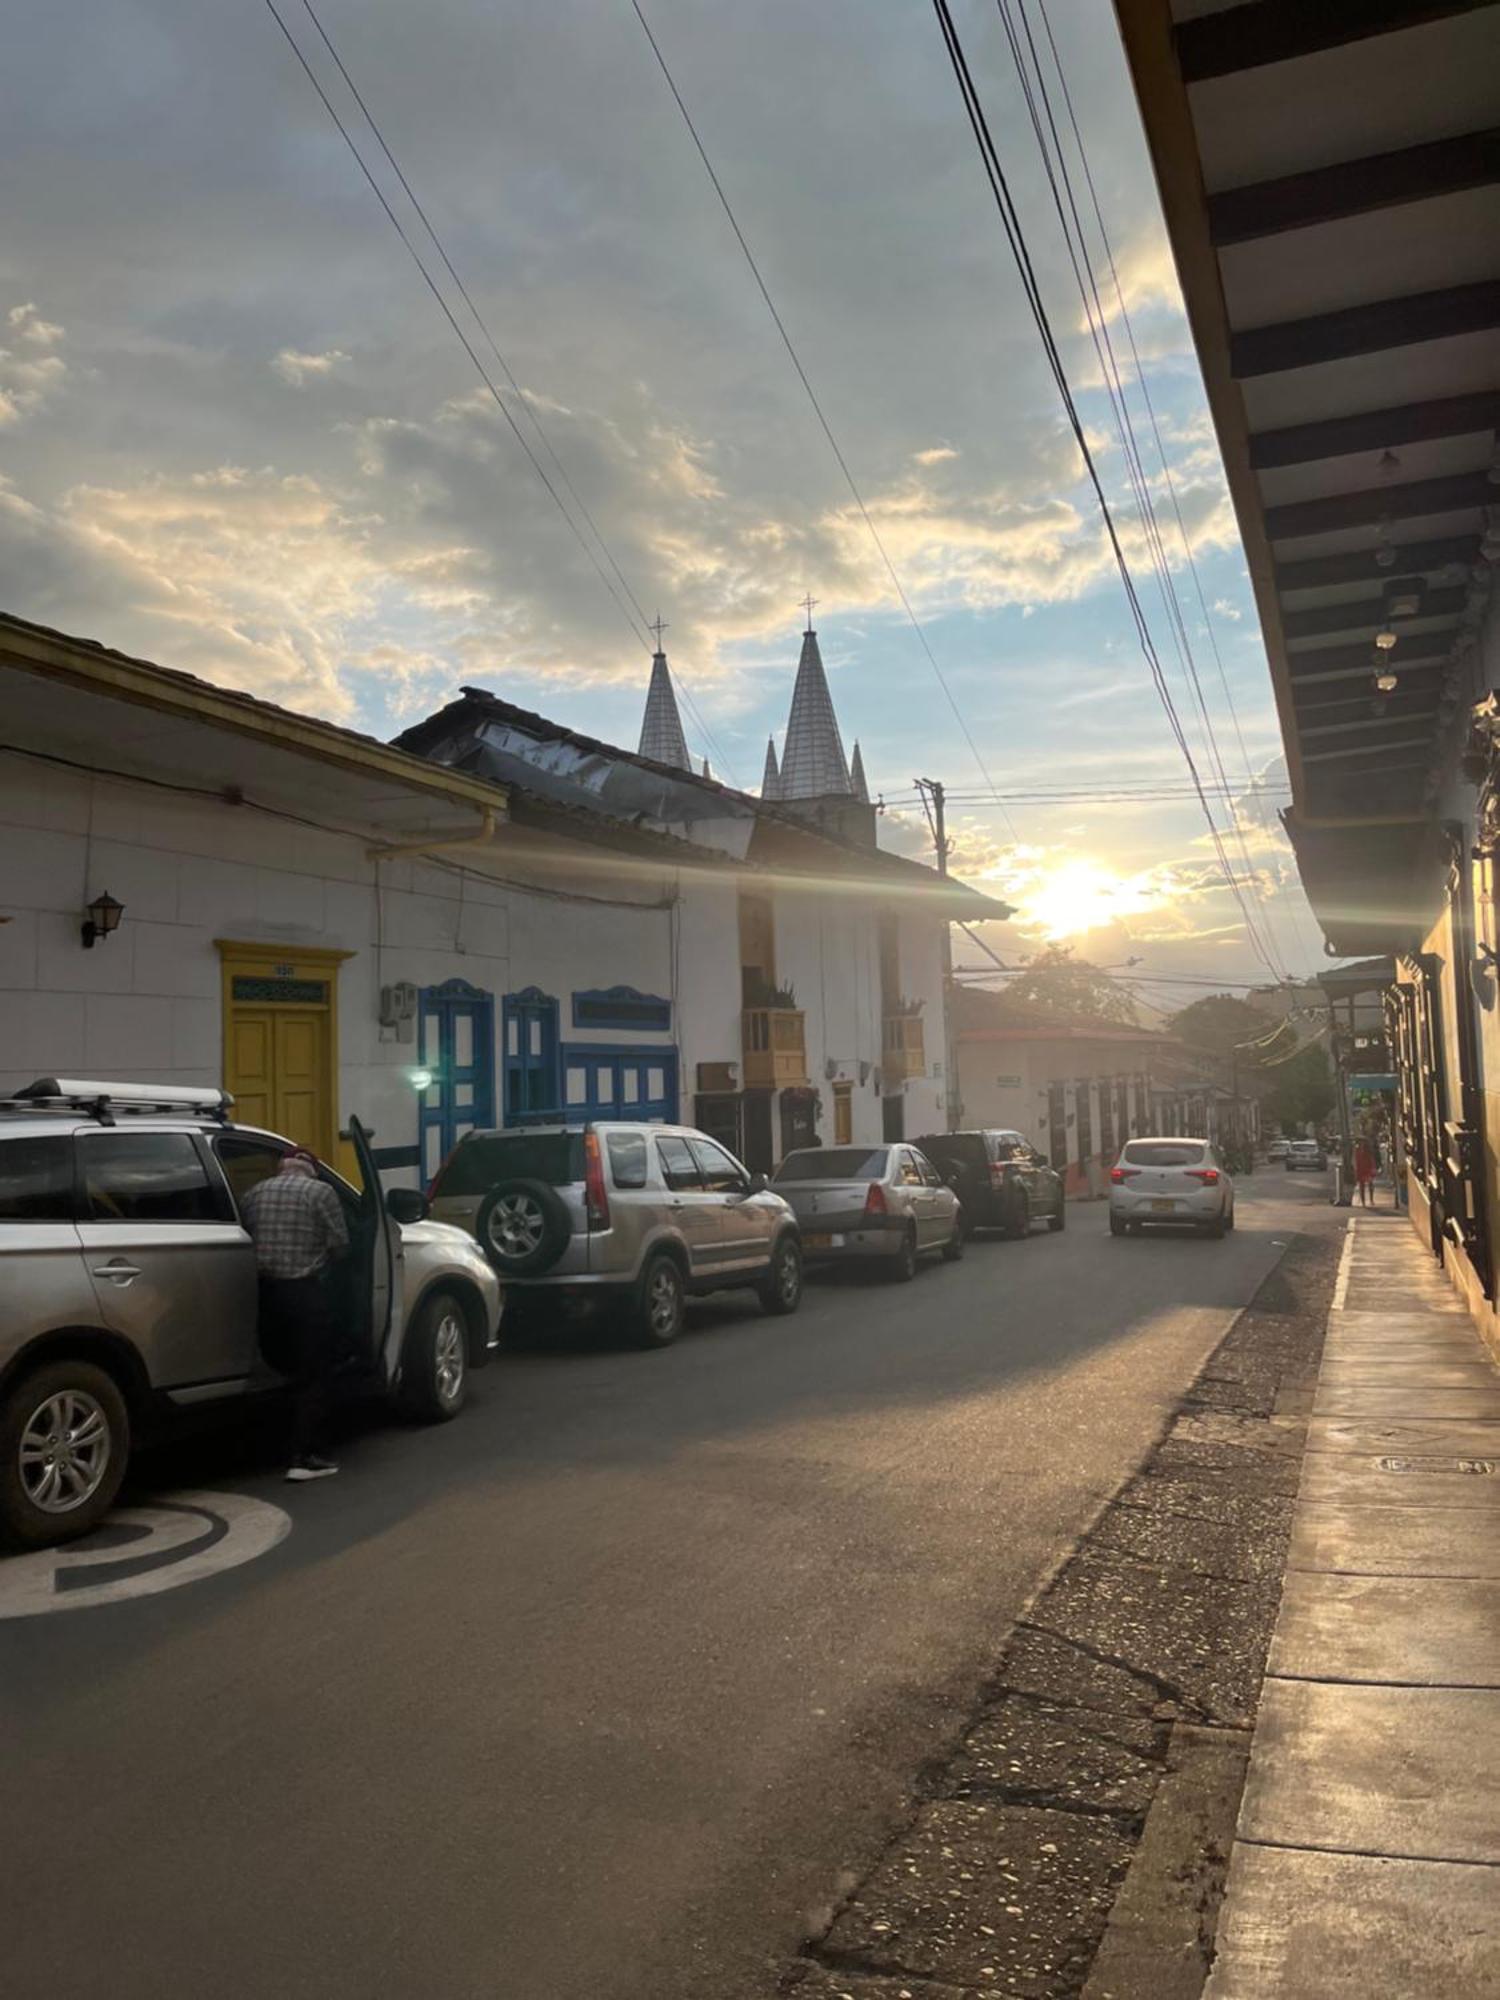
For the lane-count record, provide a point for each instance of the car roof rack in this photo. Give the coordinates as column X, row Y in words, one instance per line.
column 103, row 1100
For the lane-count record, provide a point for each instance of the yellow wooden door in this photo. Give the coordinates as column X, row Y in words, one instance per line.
column 301, row 1072
column 252, row 1065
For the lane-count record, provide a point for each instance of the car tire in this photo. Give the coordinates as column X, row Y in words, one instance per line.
column 1229, row 1217
column 1215, row 1229
column 656, row 1319
column 780, row 1290
column 77, row 1410
column 434, row 1382
column 902, row 1268
column 953, row 1249
column 1018, row 1217
column 523, row 1227
column 1059, row 1221
column 1118, row 1226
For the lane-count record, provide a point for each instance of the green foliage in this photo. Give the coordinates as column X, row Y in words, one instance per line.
column 1219, row 1024
column 1063, row 984
column 1302, row 1090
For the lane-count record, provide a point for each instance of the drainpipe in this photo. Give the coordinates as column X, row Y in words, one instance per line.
column 446, row 845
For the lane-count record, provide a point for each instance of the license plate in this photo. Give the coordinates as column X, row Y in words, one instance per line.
column 1164, row 1206
column 819, row 1242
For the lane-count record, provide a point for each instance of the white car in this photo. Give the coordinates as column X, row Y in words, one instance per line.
column 1177, row 1182
column 1278, row 1149
column 1305, row 1153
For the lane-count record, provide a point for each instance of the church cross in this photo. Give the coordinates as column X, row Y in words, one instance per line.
column 658, row 628
column 807, row 605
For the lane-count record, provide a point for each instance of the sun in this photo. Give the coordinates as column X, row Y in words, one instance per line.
column 1073, row 897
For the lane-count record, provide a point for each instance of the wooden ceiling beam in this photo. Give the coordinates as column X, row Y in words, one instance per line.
column 1376, row 430
column 1365, row 750
column 1421, row 649
column 1367, row 611
column 1416, row 676
column 1412, row 559
column 1373, row 328
column 1453, row 494
column 1270, row 31
column 1369, row 725
column 1355, row 187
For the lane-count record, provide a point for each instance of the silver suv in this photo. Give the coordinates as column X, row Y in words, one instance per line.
column 128, row 1287
column 634, row 1216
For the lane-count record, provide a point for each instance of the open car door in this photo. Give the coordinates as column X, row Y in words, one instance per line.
column 377, row 1256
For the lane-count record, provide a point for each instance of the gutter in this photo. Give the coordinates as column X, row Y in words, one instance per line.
column 446, row 845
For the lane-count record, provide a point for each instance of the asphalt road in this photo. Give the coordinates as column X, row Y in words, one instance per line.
column 598, row 1690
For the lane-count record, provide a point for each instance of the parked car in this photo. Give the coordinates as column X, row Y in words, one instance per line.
column 635, row 1217
column 1170, row 1180
column 1000, row 1178
column 871, row 1202
column 128, row 1287
column 1305, row 1153
column 1278, row 1148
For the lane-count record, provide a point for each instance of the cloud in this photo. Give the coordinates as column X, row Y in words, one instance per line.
column 300, row 369
column 1224, row 609
column 27, row 324
column 28, row 379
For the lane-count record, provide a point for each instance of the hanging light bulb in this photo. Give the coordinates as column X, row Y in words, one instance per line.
column 1385, row 680
column 1385, row 639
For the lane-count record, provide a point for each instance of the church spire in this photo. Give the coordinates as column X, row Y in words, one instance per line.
column 812, row 761
column 857, row 778
column 661, row 727
column 770, row 783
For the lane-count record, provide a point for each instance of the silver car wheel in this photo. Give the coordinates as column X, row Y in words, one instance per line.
column 516, row 1225
column 662, row 1300
column 449, row 1357
column 65, row 1451
column 788, row 1275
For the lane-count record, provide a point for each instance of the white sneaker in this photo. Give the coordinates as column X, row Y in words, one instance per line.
column 312, row 1468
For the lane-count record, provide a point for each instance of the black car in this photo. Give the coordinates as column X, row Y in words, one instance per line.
column 1001, row 1179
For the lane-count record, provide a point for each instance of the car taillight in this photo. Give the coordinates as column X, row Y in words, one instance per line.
column 997, row 1173
column 1208, row 1175
column 437, row 1180
column 595, row 1193
column 875, row 1199
column 1118, row 1174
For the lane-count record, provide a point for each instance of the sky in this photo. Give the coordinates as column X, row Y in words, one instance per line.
column 239, row 437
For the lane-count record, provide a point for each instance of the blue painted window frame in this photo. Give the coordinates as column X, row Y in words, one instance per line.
column 437, row 1107
column 618, row 1058
column 530, row 1077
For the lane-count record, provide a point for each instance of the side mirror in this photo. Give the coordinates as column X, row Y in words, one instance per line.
column 406, row 1205
column 757, row 1184
column 1042, row 1160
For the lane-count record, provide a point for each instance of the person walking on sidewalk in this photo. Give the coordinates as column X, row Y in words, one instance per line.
column 1364, row 1171
column 296, row 1223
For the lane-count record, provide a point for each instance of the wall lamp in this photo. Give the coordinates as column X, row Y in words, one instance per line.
column 103, row 917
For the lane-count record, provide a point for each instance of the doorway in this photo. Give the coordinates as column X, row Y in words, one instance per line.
column 281, row 1040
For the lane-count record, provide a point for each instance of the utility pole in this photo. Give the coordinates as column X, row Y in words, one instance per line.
column 934, row 805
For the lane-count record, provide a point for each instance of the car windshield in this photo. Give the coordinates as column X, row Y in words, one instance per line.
column 834, row 1163
column 478, row 1164
column 1163, row 1153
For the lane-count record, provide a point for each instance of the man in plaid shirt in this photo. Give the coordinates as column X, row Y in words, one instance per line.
column 296, row 1223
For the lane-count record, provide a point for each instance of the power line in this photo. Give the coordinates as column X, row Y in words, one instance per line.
column 1059, row 180
column 1015, row 237
column 802, row 376
column 634, row 616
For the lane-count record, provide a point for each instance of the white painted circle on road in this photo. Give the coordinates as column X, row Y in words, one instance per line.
column 179, row 1539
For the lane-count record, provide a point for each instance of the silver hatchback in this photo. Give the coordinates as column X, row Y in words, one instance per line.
column 633, row 1216
column 128, row 1287
column 886, row 1204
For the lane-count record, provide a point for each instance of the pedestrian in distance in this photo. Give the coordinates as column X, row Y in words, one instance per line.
column 1364, row 1171
column 296, row 1223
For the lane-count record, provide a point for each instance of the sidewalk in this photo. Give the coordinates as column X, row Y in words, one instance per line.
column 1367, row 1859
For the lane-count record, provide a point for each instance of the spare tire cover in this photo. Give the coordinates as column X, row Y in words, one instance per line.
column 523, row 1227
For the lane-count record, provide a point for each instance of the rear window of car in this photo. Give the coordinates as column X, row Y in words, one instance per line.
column 628, row 1162
column 478, row 1164
column 1005, row 1145
column 36, row 1179
column 1164, row 1152
column 834, row 1163
column 968, row 1147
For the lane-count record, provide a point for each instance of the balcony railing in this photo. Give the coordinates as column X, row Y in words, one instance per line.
column 905, row 1046
column 775, row 1047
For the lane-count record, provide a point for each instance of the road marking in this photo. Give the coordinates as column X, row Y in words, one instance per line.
column 1346, row 1257
column 179, row 1539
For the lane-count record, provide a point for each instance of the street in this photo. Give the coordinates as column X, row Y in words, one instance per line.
column 600, row 1689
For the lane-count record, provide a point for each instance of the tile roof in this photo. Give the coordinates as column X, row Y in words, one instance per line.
column 662, row 739
column 813, row 765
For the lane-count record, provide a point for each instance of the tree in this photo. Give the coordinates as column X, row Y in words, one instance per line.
column 1302, row 1091
column 1063, row 984
column 1220, row 1023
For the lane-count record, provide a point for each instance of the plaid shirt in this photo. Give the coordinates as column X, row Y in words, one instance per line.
column 296, row 1224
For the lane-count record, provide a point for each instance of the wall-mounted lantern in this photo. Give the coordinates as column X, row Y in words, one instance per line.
column 103, row 917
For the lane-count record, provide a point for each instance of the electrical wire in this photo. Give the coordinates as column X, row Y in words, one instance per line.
column 817, row 407
column 1016, row 240
column 1055, row 166
column 628, row 605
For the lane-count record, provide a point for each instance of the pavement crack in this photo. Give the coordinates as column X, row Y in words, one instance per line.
column 1168, row 1689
